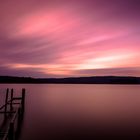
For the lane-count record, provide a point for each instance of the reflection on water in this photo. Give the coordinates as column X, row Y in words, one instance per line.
column 57, row 111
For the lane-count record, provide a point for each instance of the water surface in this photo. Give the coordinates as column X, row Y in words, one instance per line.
column 55, row 111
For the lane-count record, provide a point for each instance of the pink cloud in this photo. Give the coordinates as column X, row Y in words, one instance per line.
column 64, row 37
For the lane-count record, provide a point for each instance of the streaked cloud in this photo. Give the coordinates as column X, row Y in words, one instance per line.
column 62, row 38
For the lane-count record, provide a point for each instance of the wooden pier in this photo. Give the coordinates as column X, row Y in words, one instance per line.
column 12, row 111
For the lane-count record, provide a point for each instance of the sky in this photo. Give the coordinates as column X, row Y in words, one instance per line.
column 69, row 38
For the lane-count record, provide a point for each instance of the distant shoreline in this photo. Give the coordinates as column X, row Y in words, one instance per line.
column 71, row 80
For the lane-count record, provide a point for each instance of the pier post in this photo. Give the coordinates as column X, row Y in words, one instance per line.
column 6, row 99
column 23, row 100
column 11, row 131
column 19, row 115
column 11, row 105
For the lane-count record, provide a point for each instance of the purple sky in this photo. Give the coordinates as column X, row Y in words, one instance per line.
column 63, row 38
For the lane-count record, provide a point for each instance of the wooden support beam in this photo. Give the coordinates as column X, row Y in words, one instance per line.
column 23, row 99
column 17, row 98
column 6, row 99
column 2, row 106
column 11, row 106
column 19, row 115
column 14, row 103
column 11, row 131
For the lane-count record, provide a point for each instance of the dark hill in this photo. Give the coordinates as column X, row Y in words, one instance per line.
column 73, row 80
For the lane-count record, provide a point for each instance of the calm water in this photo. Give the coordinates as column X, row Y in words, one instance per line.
column 69, row 111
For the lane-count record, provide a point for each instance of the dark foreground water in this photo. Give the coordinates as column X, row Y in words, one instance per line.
column 79, row 111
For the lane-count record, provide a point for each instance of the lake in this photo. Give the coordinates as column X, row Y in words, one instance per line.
column 56, row 111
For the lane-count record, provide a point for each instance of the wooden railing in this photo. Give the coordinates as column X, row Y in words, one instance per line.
column 7, row 132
